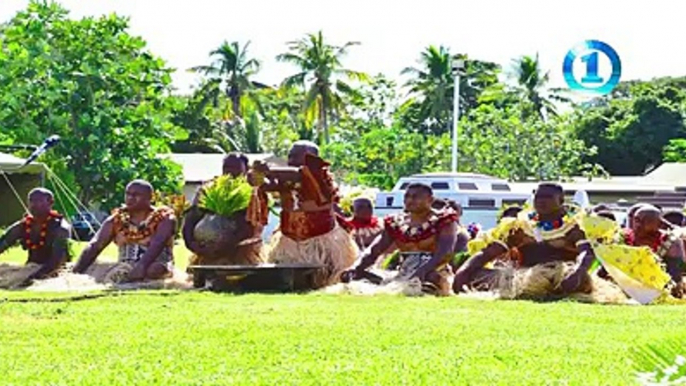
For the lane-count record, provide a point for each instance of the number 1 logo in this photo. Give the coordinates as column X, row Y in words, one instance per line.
column 589, row 54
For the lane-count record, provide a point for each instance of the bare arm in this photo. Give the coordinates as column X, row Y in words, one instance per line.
column 164, row 232
column 461, row 242
column 101, row 240
column 444, row 249
column 674, row 258
column 58, row 253
column 380, row 245
column 11, row 236
column 466, row 272
column 586, row 253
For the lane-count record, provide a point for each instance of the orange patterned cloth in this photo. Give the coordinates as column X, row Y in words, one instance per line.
column 133, row 240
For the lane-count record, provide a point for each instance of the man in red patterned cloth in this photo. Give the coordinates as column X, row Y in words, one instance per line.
column 309, row 231
column 425, row 237
column 43, row 233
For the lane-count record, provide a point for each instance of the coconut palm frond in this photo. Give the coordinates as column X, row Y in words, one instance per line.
column 226, row 195
column 663, row 363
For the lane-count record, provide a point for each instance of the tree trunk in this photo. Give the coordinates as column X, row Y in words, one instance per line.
column 323, row 124
column 236, row 105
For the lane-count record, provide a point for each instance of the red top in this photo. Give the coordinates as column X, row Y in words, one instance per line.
column 399, row 229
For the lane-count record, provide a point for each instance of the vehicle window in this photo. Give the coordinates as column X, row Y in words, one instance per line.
column 467, row 186
column 481, row 203
column 501, row 187
column 440, row 186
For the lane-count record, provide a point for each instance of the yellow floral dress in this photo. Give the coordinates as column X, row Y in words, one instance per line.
column 636, row 270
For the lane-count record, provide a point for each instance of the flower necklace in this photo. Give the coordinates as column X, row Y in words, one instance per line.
column 28, row 221
column 549, row 225
column 141, row 231
column 630, row 239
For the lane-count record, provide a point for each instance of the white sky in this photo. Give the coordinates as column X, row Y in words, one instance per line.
column 647, row 36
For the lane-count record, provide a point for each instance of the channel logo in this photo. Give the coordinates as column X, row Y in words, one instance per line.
column 592, row 67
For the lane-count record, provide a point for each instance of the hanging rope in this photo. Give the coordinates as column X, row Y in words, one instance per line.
column 62, row 191
column 80, row 206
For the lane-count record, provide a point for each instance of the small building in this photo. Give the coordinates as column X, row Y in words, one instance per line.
column 15, row 183
column 199, row 168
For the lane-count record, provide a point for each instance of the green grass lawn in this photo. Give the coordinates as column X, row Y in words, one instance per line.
column 164, row 338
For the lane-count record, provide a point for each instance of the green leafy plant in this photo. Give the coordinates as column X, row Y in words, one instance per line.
column 661, row 364
column 226, row 196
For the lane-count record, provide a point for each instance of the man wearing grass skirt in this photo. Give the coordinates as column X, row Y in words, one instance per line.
column 44, row 234
column 553, row 250
column 243, row 245
column 309, row 231
column 646, row 241
column 426, row 238
column 144, row 235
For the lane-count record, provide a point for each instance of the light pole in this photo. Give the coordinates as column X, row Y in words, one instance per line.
column 458, row 65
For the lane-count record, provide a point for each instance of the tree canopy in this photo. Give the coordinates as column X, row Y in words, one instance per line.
column 110, row 99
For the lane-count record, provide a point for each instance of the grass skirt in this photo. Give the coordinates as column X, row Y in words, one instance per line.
column 100, row 276
column 542, row 282
column 391, row 285
column 12, row 276
column 335, row 250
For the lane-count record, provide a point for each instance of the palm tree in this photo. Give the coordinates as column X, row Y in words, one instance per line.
column 532, row 82
column 321, row 75
column 231, row 71
column 432, row 84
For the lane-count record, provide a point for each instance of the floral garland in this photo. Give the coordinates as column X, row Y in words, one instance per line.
column 28, row 220
column 629, row 238
column 401, row 230
column 145, row 229
column 550, row 225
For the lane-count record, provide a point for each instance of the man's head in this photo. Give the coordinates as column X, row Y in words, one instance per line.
column 631, row 213
column 296, row 157
column 674, row 217
column 418, row 198
column 40, row 202
column 512, row 211
column 363, row 209
column 235, row 164
column 138, row 195
column 548, row 198
column 647, row 220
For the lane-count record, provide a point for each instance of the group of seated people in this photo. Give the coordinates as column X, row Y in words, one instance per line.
column 429, row 242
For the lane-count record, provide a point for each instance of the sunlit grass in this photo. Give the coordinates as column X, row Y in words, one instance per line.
column 162, row 338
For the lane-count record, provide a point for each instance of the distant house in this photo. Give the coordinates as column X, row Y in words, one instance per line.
column 15, row 183
column 199, row 168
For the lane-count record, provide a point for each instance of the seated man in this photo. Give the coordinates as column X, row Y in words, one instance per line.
column 364, row 226
column 547, row 237
column 224, row 250
column 143, row 234
column 43, row 233
column 309, row 231
column 668, row 247
column 425, row 237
